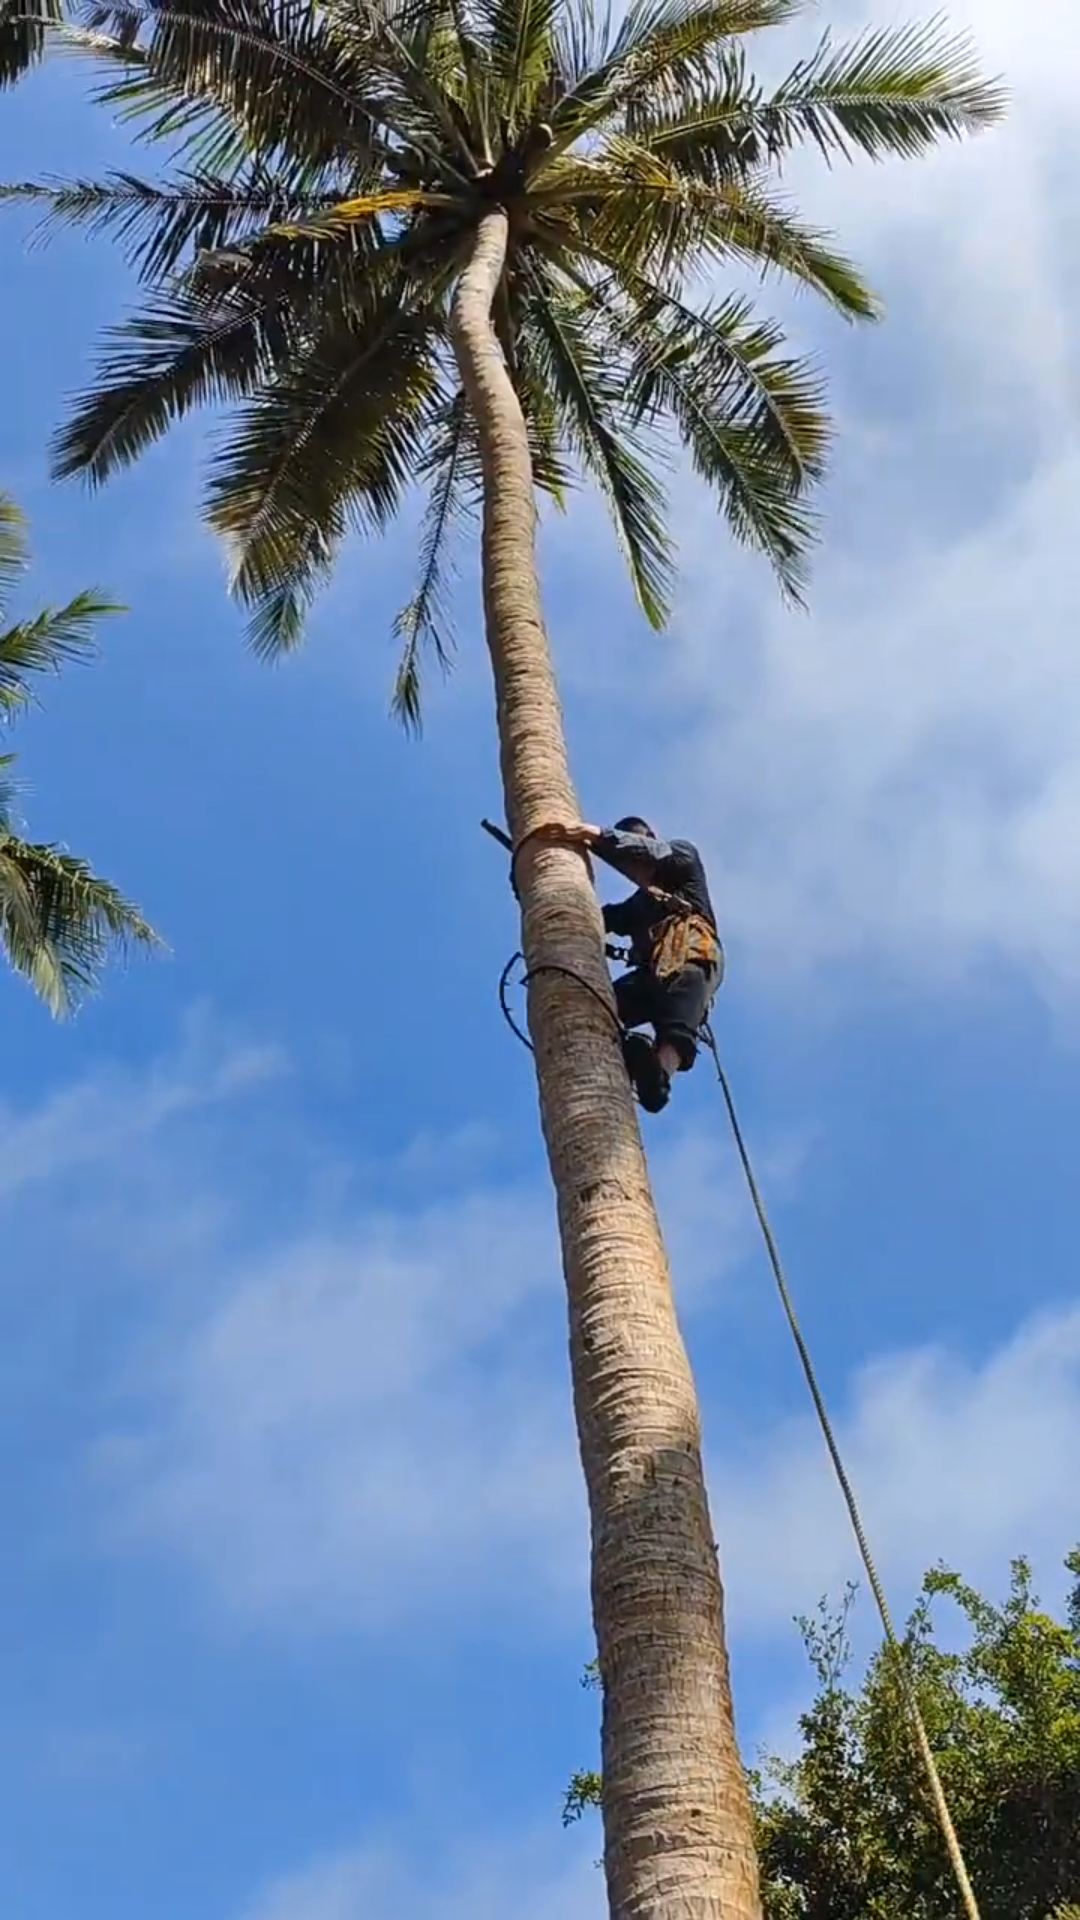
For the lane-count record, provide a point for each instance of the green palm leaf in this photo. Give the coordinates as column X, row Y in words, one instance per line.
column 662, row 46
column 173, row 356
column 896, row 90
column 576, row 360
column 330, row 444
column 159, row 227
column 424, row 620
column 13, row 546
column 750, row 419
column 520, row 36
column 59, row 921
column 46, row 643
column 279, row 74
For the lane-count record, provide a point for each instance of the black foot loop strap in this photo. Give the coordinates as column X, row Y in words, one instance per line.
column 547, row 967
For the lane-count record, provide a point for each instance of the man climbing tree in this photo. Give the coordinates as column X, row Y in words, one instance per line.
column 677, row 960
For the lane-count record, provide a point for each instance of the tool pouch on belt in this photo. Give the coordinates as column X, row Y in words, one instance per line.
column 683, row 940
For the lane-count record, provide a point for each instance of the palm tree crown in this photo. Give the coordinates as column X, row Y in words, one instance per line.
column 58, row 920
column 328, row 168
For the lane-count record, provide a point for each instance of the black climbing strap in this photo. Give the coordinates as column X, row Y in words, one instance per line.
column 531, row 974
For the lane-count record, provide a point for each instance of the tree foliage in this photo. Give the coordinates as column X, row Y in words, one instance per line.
column 59, row 921
column 326, row 167
column 845, row 1828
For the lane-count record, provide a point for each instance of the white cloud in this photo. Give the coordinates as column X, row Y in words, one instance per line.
column 531, row 1880
column 374, row 1421
column 955, row 1461
column 362, row 1425
column 108, row 1115
column 900, row 779
column 361, row 1419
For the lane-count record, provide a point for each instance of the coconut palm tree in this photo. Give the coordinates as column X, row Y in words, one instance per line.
column 58, row 921
column 467, row 245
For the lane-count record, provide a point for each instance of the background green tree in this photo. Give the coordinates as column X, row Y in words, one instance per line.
column 59, row 922
column 845, row 1830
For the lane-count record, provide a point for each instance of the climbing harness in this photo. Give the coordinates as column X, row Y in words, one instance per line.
column 892, row 1639
column 682, row 940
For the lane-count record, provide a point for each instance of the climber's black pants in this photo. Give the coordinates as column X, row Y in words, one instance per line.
column 676, row 1008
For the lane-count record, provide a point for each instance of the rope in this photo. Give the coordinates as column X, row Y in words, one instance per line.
column 918, row 1727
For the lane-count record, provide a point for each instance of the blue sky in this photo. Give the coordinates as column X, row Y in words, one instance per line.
column 295, row 1603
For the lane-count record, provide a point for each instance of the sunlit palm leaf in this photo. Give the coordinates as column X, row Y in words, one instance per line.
column 520, row 35
column 13, row 546
column 750, row 419
column 59, row 922
column 661, row 48
column 46, row 643
column 780, row 399
column 896, row 90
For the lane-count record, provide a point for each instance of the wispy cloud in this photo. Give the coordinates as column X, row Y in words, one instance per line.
column 361, row 1420
column 951, row 1460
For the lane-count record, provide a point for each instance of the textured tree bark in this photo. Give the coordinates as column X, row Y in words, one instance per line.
column 678, row 1838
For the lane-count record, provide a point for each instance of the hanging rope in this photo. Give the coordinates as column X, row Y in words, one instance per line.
column 892, row 1639
column 907, row 1687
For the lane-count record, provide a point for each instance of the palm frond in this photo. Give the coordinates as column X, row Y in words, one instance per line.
column 175, row 355
column 750, row 420
column 24, row 27
column 47, row 643
column 661, row 49
column 895, row 90
column 157, row 226
column 60, row 922
column 331, row 442
column 638, row 211
column 520, row 36
column 586, row 377
column 753, row 226
column 198, row 132
column 466, row 77
column 424, row 621
column 13, row 546
column 781, row 401
column 279, row 73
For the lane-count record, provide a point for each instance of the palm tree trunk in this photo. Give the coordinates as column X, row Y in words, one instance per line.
column 677, row 1825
